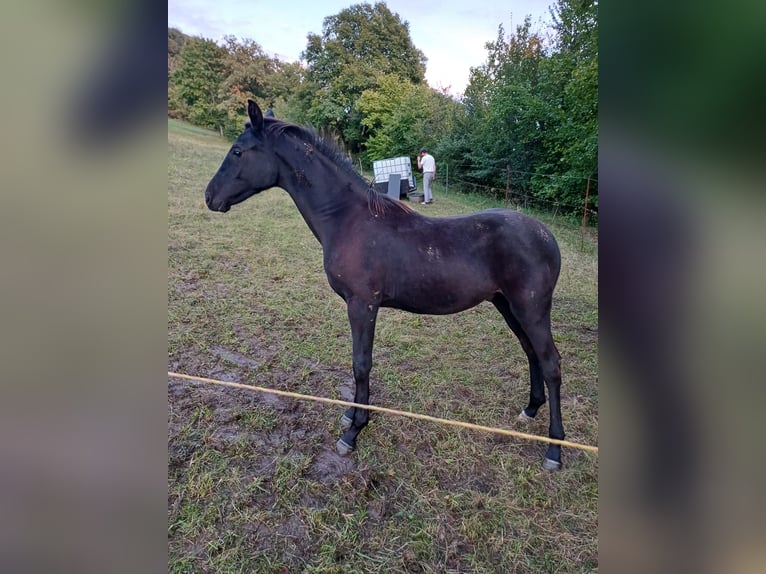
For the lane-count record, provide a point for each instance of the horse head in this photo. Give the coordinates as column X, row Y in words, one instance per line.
column 249, row 167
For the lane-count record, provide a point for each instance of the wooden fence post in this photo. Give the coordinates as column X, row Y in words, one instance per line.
column 507, row 182
column 584, row 216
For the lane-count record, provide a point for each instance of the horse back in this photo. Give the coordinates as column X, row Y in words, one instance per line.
column 443, row 265
column 493, row 238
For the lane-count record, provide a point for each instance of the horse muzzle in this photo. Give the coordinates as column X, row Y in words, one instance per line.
column 215, row 204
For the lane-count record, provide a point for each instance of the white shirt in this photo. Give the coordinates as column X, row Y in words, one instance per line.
column 428, row 163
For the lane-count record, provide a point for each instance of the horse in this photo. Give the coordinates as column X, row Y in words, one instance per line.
column 367, row 238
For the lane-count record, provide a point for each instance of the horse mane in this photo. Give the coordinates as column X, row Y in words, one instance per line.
column 320, row 143
column 378, row 203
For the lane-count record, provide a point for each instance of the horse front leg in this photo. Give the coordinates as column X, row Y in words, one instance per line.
column 362, row 316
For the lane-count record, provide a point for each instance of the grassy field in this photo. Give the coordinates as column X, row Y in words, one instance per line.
column 254, row 484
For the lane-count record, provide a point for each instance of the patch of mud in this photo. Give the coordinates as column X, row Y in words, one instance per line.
column 297, row 426
column 220, row 396
column 347, row 389
column 224, row 435
column 235, row 358
column 283, row 439
column 588, row 334
column 271, row 400
column 189, row 282
column 190, row 394
column 294, row 528
column 329, row 467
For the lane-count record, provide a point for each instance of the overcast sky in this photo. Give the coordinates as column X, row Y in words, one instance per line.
column 450, row 33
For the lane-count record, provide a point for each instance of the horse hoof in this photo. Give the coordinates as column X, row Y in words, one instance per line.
column 345, row 423
column 551, row 465
column 524, row 417
column 342, row 448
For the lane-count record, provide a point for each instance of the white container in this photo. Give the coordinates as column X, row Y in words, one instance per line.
column 382, row 168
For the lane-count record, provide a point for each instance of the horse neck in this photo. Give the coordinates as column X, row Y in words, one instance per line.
column 324, row 192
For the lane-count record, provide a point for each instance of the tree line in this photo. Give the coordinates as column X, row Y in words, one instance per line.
column 528, row 119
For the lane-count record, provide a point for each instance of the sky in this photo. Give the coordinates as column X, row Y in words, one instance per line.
column 450, row 33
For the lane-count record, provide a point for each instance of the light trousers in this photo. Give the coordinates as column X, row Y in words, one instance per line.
column 428, row 177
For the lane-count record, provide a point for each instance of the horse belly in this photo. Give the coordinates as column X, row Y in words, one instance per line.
column 432, row 306
column 436, row 292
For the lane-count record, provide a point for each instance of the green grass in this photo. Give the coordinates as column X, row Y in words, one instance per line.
column 254, row 485
column 181, row 127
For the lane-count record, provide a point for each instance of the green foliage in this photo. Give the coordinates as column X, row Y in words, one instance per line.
column 197, row 80
column 572, row 144
column 506, row 114
column 390, row 115
column 176, row 41
column 249, row 73
column 209, row 84
column 358, row 46
column 532, row 112
column 399, row 118
column 177, row 108
column 287, row 85
column 528, row 119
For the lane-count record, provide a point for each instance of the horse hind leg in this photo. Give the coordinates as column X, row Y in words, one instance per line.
column 550, row 362
column 537, row 382
column 536, row 329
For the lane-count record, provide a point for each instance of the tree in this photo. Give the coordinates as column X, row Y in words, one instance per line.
column 198, row 79
column 572, row 86
column 534, row 109
column 358, row 45
column 249, row 75
column 288, row 92
column 250, row 70
column 507, row 116
column 399, row 118
column 176, row 42
column 209, row 84
column 389, row 116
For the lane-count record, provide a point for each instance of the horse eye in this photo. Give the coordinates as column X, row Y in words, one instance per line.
column 237, row 152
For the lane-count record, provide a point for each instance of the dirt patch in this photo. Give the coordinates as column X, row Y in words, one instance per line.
column 189, row 282
column 329, row 467
column 588, row 334
column 233, row 368
column 188, row 395
column 235, row 358
column 265, row 467
column 347, row 389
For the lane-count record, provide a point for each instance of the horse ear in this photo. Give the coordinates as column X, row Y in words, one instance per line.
column 256, row 116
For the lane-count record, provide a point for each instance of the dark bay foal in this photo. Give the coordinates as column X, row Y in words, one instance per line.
column 496, row 255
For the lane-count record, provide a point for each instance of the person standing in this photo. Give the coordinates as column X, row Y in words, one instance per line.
column 427, row 163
